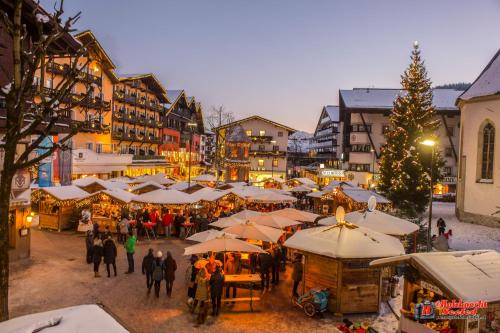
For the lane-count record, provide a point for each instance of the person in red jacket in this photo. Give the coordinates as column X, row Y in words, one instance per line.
column 167, row 220
column 154, row 217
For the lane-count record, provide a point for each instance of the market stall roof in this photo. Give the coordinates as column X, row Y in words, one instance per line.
column 361, row 195
column 111, row 185
column 147, row 184
column 226, row 222
column 119, row 194
column 205, row 178
column 301, row 188
column 317, row 194
column 272, row 198
column 295, row 214
column 180, row 186
column 382, row 222
column 306, row 181
column 340, row 183
column 78, row 319
column 468, row 275
column 248, row 191
column 330, row 220
column 208, row 194
column 223, row 243
column 164, row 197
column 86, row 181
column 253, row 231
column 124, row 179
column 345, row 241
column 159, row 178
column 68, row 192
column 273, row 221
column 246, row 214
column 208, row 235
column 283, row 190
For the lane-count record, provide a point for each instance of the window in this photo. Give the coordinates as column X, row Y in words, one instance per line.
column 248, row 132
column 262, row 148
column 447, row 171
column 280, row 134
column 276, row 148
column 233, row 173
column 448, row 152
column 90, row 146
column 262, row 133
column 245, row 152
column 359, row 167
column 361, row 128
column 234, row 152
column 275, row 162
column 48, row 83
column 361, row 148
column 36, row 81
column 98, row 147
column 487, row 152
column 261, row 163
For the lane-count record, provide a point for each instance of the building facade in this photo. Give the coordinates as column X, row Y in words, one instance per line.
column 236, row 160
column 478, row 195
column 326, row 144
column 268, row 148
column 364, row 113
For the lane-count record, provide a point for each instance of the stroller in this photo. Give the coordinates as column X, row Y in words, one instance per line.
column 313, row 302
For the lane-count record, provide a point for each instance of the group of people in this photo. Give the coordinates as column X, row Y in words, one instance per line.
column 156, row 268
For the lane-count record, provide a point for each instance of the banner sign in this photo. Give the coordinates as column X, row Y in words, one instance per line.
column 45, row 166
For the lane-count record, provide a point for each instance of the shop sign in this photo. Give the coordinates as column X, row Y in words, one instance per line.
column 431, row 287
column 21, row 180
column 331, row 173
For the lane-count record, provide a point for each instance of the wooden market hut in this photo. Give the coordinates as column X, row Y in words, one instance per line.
column 337, row 257
column 469, row 276
column 57, row 205
column 90, row 184
column 146, row 187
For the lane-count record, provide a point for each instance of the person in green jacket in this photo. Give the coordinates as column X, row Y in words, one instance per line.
column 130, row 248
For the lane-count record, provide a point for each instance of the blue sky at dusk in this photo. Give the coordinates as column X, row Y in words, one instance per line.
column 286, row 59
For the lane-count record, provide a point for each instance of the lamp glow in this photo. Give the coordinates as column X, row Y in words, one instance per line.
column 428, row 142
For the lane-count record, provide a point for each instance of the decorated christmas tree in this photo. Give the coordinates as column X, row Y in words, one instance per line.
column 405, row 162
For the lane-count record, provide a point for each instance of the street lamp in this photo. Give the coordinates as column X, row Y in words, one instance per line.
column 191, row 126
column 430, row 143
column 273, row 142
column 373, row 167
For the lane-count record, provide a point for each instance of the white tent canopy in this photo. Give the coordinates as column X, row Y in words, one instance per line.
column 250, row 230
column 226, row 222
column 222, row 243
column 330, row 220
column 345, row 241
column 164, row 197
column 246, row 214
column 295, row 214
column 381, row 222
column 208, row 235
column 75, row 319
column 470, row 275
column 273, row 221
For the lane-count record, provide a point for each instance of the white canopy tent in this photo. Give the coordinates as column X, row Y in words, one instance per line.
column 345, row 241
column 164, row 197
column 250, row 230
column 226, row 222
column 330, row 220
column 382, row 222
column 208, row 194
column 295, row 214
column 246, row 214
column 222, row 243
column 273, row 221
column 208, row 235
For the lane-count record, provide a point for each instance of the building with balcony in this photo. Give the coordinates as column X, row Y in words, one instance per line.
column 268, row 148
column 479, row 165
column 364, row 114
column 326, row 144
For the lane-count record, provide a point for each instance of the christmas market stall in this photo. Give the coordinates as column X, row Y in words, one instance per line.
column 215, row 199
column 90, row 184
column 146, row 187
column 206, row 180
column 449, row 292
column 106, row 208
column 337, row 257
column 56, row 205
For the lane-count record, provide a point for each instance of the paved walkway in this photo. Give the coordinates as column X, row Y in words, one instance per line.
column 57, row 276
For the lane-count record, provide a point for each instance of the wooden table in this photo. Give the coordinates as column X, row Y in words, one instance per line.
column 250, row 279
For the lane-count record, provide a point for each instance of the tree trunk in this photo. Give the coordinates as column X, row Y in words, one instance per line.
column 17, row 44
column 5, row 188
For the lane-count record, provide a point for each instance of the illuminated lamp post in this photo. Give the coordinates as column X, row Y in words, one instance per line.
column 191, row 127
column 430, row 143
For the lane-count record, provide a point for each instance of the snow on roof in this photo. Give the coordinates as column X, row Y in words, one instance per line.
column 180, row 186
column 345, row 242
column 317, row 194
column 487, row 83
column 361, row 195
column 306, row 181
column 205, row 178
column 272, row 198
column 165, row 197
column 124, row 196
column 340, row 183
column 208, row 194
column 301, row 188
column 381, row 222
column 146, row 184
column 159, row 178
column 65, row 192
column 469, row 275
column 333, row 112
column 115, row 185
column 86, row 181
column 375, row 98
column 80, row 318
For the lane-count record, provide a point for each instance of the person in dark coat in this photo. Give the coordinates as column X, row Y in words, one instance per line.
column 192, row 277
column 170, row 266
column 266, row 262
column 297, row 273
column 147, row 268
column 441, row 226
column 89, row 243
column 216, row 286
column 97, row 251
column 253, row 262
column 178, row 221
column 109, row 253
column 276, row 265
column 158, row 272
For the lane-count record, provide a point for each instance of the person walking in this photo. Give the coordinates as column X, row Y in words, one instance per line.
column 265, row 266
column 232, row 267
column 89, row 243
column 130, row 249
column 276, row 266
column 178, row 221
column 170, row 266
column 216, row 286
column 158, row 269
column 191, row 274
column 201, row 297
column 124, row 229
column 441, row 226
column 297, row 273
column 97, row 255
column 147, row 268
column 167, row 220
column 109, row 253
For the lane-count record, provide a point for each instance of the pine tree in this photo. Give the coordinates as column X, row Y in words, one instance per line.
column 405, row 162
